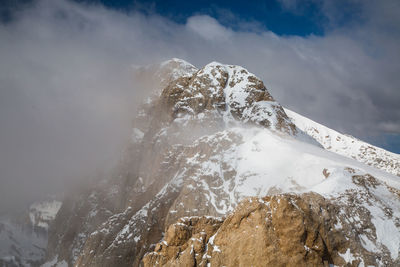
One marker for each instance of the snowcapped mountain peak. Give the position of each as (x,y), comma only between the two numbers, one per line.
(214,138)
(176,68)
(178,61)
(214,92)
(227,92)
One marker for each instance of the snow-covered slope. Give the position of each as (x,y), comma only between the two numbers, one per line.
(347,145)
(220,170)
(20,245)
(43,213)
(173,69)
(23,240)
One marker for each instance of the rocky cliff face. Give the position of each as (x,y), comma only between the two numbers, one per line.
(210,139)
(285,230)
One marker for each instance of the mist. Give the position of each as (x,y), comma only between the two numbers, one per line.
(68,93)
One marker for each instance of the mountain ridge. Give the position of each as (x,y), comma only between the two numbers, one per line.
(348,145)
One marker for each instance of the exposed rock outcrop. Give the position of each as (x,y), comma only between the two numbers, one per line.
(279,230)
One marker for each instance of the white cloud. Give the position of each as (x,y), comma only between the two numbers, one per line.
(67,94)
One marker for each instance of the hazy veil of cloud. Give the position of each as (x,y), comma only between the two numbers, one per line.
(67,93)
(208,28)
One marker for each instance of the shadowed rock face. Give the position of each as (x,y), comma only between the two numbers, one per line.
(189,157)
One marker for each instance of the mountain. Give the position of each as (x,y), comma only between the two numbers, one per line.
(348,145)
(217,172)
(23,238)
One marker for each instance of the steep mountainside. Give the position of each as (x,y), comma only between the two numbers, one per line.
(210,139)
(347,145)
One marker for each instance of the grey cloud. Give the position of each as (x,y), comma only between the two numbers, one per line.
(67,93)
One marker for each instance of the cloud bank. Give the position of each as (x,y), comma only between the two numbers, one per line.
(67,93)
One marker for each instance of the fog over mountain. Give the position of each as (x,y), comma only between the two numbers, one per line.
(68,91)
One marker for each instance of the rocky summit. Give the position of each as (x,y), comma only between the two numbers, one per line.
(218,173)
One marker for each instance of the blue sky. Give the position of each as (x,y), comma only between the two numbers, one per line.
(283,17)
(266,14)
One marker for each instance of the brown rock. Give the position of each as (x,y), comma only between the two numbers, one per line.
(280,230)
